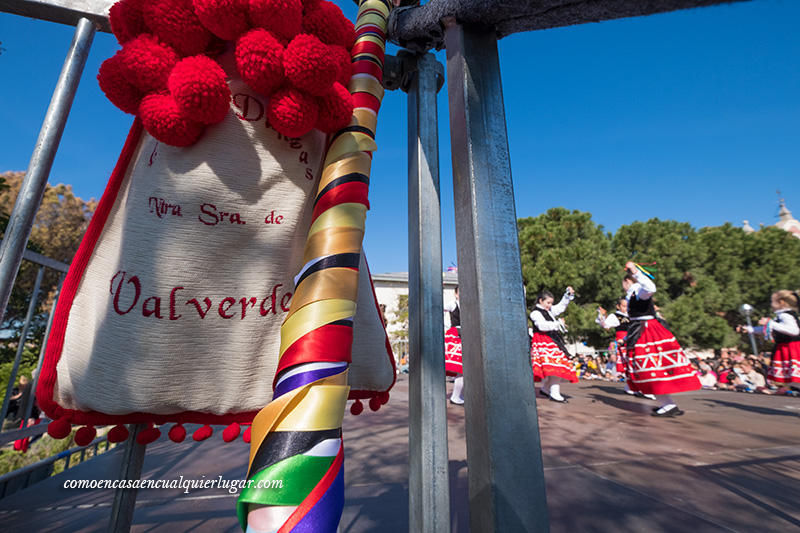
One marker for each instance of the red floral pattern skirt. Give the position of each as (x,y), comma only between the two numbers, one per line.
(657,364)
(548,359)
(452,351)
(785,367)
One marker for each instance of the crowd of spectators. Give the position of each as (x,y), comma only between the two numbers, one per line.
(729,370)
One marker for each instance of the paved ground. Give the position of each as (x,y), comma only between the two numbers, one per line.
(731,463)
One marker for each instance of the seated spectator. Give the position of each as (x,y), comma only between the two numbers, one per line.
(708,379)
(748,380)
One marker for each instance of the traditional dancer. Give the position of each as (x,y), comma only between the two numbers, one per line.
(620,321)
(784,329)
(549,355)
(452,350)
(656,363)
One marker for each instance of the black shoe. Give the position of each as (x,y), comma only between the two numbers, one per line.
(672,412)
(543,393)
(563,400)
(456,403)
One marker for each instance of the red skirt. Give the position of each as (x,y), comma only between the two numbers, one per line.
(619,344)
(452,351)
(785,367)
(657,364)
(548,359)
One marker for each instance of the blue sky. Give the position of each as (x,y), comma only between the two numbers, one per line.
(691,116)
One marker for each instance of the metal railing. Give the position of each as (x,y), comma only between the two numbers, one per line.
(26,476)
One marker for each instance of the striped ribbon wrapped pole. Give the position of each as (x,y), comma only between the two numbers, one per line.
(296,474)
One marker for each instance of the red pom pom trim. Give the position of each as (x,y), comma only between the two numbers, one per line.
(203,433)
(85,435)
(231,432)
(357,408)
(59,429)
(246,436)
(384,397)
(148,436)
(374,403)
(177,433)
(117,434)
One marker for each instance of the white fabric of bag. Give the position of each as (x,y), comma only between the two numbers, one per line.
(181,303)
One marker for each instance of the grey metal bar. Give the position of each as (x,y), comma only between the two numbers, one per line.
(23,337)
(42,351)
(42,260)
(68,12)
(506,476)
(32,190)
(131,468)
(16,434)
(429,494)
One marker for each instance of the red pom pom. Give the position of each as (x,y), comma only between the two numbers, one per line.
(335,109)
(117,434)
(227,19)
(148,435)
(374,403)
(343,62)
(117,89)
(146,63)
(198,86)
(177,433)
(357,408)
(384,397)
(259,59)
(291,112)
(163,120)
(175,23)
(59,429)
(281,17)
(309,64)
(310,5)
(127,20)
(203,433)
(231,432)
(328,23)
(246,436)
(85,435)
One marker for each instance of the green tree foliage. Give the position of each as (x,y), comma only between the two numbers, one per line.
(562,248)
(58,228)
(703,276)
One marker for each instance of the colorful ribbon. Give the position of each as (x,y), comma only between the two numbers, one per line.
(296,475)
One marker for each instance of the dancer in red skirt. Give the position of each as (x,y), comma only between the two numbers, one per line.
(620,321)
(784,329)
(549,355)
(452,350)
(656,363)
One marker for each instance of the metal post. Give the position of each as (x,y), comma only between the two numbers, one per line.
(506,476)
(41,354)
(33,186)
(429,494)
(752,337)
(125,498)
(23,336)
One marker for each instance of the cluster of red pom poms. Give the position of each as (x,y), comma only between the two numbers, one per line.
(296,52)
(60,429)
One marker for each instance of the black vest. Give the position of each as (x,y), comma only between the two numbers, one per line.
(637,307)
(782,338)
(455,316)
(548,317)
(555,335)
(624,322)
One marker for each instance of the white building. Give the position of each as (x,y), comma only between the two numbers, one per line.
(390,286)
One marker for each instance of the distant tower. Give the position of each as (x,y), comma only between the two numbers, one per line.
(747,227)
(787,222)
